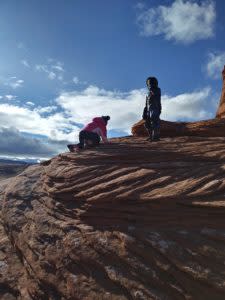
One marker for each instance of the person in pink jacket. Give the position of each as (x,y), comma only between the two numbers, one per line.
(92,133)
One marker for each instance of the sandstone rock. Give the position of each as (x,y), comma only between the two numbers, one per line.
(130,220)
(214,127)
(221,109)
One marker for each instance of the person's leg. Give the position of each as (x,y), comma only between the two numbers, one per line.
(82,135)
(155,126)
(148,126)
(80,145)
(92,139)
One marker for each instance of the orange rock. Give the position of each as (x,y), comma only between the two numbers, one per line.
(221,109)
(129,220)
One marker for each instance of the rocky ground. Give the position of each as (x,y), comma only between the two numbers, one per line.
(130,220)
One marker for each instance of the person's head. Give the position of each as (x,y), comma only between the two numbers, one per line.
(151,82)
(106,119)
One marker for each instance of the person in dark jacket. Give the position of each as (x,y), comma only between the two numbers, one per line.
(153,109)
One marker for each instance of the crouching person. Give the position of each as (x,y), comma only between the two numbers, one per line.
(153,109)
(92,134)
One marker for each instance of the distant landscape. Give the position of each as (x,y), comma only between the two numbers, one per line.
(10,168)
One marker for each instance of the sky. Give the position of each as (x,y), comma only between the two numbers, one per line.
(63,62)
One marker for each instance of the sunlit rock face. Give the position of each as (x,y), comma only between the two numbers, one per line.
(221,109)
(214,127)
(129,220)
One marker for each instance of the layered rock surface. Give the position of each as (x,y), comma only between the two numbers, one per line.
(130,220)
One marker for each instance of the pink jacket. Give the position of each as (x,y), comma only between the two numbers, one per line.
(98,126)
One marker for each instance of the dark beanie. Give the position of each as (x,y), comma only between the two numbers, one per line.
(106,118)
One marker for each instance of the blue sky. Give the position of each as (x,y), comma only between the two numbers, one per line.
(63,62)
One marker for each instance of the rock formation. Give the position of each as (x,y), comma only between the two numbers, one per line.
(221,109)
(213,127)
(130,220)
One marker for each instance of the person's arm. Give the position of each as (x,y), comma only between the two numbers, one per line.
(100,133)
(160,105)
(144,115)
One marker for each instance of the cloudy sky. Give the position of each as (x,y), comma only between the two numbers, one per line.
(64,62)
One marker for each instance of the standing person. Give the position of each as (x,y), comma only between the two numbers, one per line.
(152,109)
(92,133)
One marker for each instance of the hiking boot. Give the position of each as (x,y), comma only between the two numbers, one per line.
(74,148)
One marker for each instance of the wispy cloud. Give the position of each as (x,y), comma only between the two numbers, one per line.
(53,69)
(76,80)
(10,97)
(46,109)
(25,63)
(51,75)
(30,103)
(182,21)
(13,82)
(58,68)
(215,64)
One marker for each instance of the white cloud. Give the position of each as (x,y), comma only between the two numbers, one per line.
(53,71)
(126,109)
(215,64)
(25,63)
(80,107)
(75,80)
(46,109)
(51,75)
(58,68)
(30,103)
(182,21)
(140,5)
(55,126)
(13,82)
(10,97)
(188,106)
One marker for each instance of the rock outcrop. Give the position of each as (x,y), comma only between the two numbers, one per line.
(130,220)
(221,109)
(214,127)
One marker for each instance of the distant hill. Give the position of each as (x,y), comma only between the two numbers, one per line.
(10,168)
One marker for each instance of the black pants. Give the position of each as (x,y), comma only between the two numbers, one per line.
(87,136)
(152,124)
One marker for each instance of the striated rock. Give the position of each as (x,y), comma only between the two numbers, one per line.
(130,220)
(221,109)
(214,127)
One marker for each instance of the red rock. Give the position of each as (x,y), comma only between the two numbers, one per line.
(130,220)
(221,109)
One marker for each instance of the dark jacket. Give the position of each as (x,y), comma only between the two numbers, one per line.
(153,102)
